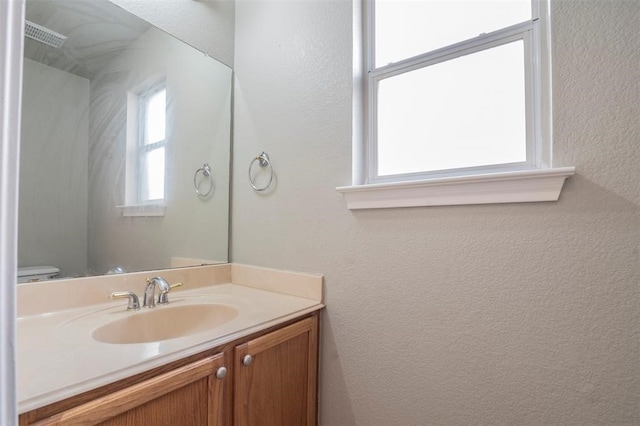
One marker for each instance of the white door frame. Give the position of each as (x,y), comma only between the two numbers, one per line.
(11,49)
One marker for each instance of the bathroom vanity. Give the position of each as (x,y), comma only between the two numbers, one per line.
(256,364)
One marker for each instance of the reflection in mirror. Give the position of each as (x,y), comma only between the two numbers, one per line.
(116,122)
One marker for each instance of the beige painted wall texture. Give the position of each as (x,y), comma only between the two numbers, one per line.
(496,314)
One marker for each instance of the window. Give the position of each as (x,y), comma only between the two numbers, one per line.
(146,147)
(151,145)
(453,89)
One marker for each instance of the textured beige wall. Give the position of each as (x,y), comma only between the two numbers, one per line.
(497,314)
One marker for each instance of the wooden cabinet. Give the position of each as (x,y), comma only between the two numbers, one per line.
(275,377)
(276,385)
(189,395)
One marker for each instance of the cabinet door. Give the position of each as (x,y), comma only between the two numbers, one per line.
(189,395)
(276,375)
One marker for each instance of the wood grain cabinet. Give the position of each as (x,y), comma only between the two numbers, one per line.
(275,377)
(267,378)
(189,395)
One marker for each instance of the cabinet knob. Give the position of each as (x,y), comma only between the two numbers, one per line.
(221,373)
(247,360)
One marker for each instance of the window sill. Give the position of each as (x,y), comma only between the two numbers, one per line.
(509,187)
(143,210)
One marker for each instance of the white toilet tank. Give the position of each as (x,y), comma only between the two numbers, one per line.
(37,273)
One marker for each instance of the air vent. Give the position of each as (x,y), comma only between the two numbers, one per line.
(43,35)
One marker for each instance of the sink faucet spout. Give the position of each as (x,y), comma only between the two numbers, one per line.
(150,290)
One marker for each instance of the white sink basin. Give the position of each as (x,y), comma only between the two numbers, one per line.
(164,322)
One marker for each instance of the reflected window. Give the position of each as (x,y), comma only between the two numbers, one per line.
(152,122)
(146,143)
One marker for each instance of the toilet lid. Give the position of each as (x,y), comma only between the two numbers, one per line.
(37,270)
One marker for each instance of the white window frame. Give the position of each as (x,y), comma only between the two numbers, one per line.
(135,205)
(143,150)
(532,180)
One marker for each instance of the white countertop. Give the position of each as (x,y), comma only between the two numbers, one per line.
(58,358)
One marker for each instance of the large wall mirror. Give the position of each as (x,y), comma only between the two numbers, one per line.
(119,119)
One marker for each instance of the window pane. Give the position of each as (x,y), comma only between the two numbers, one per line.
(155,114)
(466,112)
(406,28)
(154,175)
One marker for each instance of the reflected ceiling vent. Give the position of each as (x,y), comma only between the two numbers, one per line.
(43,35)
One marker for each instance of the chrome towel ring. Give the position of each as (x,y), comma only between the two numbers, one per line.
(263,161)
(206,172)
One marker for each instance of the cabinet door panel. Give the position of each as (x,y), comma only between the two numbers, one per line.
(278,387)
(180,407)
(187,395)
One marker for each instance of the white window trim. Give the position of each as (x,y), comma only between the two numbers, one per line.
(532,182)
(491,188)
(142,210)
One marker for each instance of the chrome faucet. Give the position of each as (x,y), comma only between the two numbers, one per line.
(150,291)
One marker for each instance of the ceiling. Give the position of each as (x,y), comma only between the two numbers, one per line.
(97,32)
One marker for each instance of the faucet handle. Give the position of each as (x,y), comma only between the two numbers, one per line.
(134,302)
(163,298)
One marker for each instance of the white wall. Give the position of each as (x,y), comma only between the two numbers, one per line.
(53,169)
(497,314)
